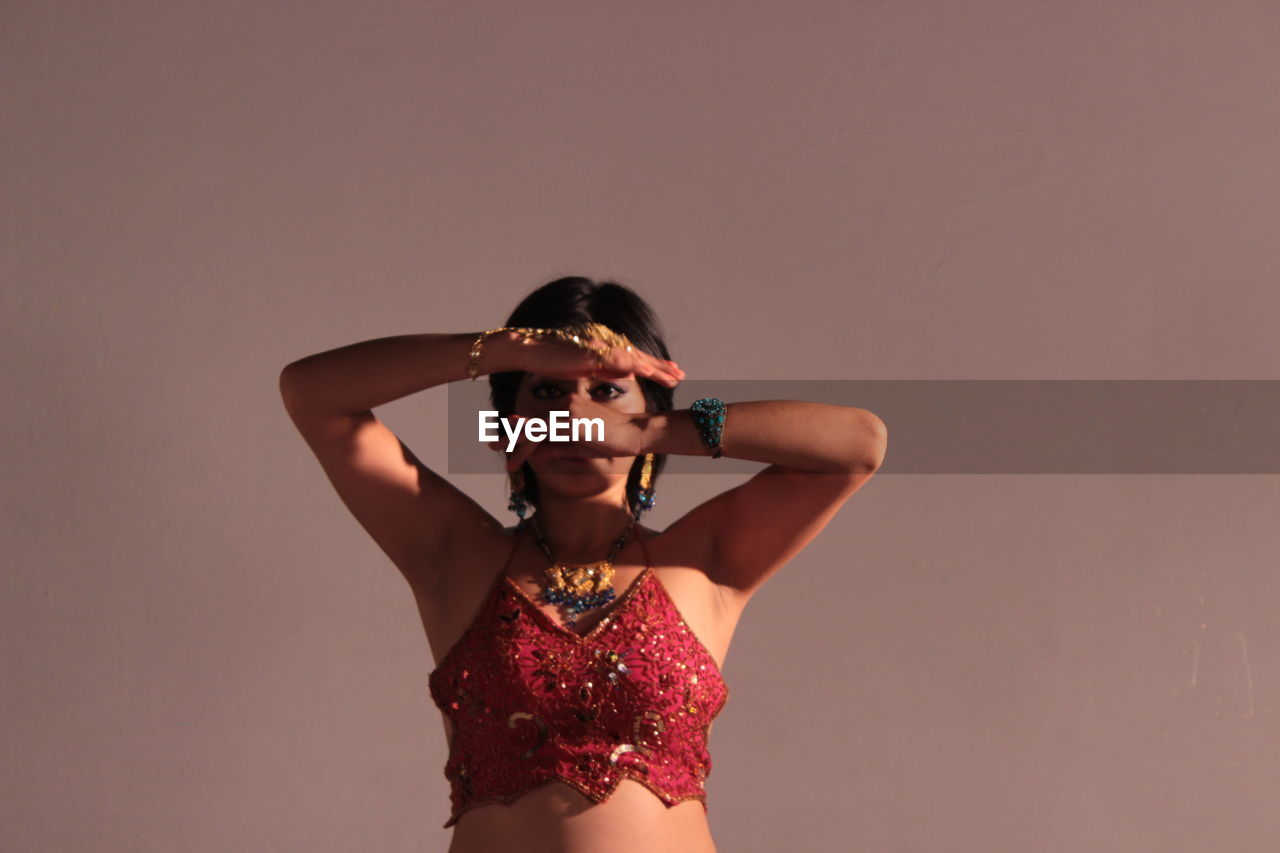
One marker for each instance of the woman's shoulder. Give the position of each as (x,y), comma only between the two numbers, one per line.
(677,546)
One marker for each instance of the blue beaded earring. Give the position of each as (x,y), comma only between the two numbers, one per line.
(645,498)
(518,503)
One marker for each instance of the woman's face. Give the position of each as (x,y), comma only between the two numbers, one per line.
(559,468)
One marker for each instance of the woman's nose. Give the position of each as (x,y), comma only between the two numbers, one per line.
(576,403)
(579,405)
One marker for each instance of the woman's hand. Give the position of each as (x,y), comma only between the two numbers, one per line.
(559,359)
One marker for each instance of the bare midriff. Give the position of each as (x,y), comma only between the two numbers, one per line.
(556,818)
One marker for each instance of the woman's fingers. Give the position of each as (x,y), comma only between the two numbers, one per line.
(660,374)
(656,368)
(669,369)
(635,360)
(668,373)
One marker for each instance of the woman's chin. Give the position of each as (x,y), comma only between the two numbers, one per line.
(571,477)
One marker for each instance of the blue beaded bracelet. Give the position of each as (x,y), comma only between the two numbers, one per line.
(708,414)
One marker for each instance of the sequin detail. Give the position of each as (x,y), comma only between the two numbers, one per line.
(531,701)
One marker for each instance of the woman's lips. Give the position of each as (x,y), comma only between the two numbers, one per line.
(561,450)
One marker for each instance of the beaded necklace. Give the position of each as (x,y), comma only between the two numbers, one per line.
(579,586)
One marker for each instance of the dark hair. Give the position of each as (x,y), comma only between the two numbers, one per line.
(574,299)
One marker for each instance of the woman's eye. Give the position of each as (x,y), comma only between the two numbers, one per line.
(537,389)
(614,390)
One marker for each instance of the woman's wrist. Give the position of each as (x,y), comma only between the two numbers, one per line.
(500,352)
(673,432)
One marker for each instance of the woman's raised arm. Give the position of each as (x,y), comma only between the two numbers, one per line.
(413,513)
(361,376)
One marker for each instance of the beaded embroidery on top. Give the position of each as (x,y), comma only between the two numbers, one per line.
(531,701)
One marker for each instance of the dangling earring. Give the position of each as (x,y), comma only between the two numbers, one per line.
(518,503)
(645,499)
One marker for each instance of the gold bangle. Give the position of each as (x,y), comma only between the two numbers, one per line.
(473,362)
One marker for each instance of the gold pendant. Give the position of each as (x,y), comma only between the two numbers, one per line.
(580,581)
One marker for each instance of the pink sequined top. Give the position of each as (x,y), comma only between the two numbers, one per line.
(533,701)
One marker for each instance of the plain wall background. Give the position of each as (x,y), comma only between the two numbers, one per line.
(202,651)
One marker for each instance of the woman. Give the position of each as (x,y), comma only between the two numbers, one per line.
(578,652)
